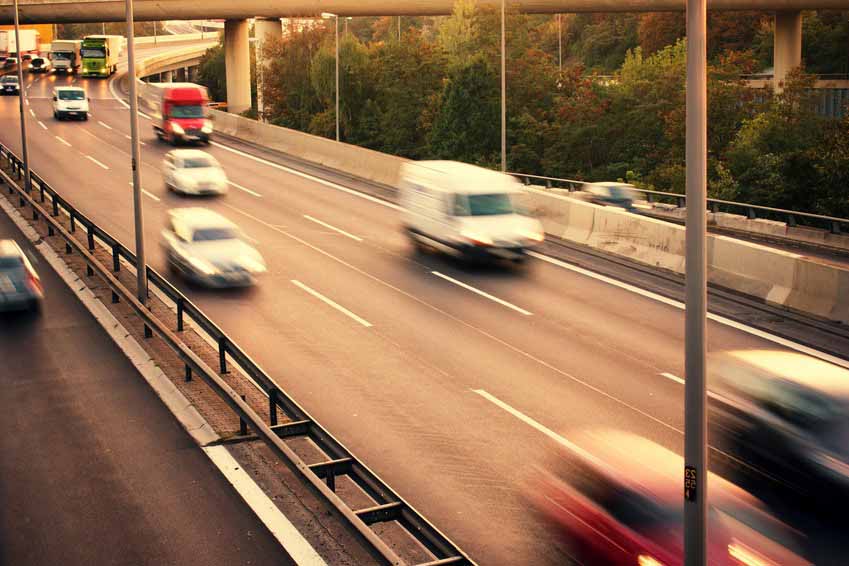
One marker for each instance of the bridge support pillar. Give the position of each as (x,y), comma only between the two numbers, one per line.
(788,46)
(264,30)
(237,62)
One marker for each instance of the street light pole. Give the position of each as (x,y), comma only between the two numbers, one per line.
(21,98)
(503,93)
(560,43)
(141,263)
(695,394)
(337,77)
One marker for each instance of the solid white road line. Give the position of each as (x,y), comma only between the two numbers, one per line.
(334,228)
(31,111)
(107,126)
(241,188)
(532,423)
(711,316)
(483,294)
(129,137)
(333,304)
(283,530)
(307,176)
(673,377)
(63,141)
(97,162)
(40,123)
(148,193)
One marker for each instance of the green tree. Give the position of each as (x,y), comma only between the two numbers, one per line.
(211,73)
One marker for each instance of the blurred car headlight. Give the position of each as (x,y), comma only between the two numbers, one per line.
(203,266)
(207,127)
(476,238)
(253,264)
(535,235)
(746,556)
(177,129)
(646,560)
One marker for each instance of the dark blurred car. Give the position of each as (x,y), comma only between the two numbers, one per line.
(618,500)
(39,65)
(622,195)
(20,286)
(9,85)
(10,63)
(787,414)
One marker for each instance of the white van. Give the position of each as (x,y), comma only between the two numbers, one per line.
(465,211)
(70,102)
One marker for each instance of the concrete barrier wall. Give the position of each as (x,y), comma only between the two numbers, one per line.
(350,159)
(777,277)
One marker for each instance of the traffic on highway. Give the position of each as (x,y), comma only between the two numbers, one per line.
(531,409)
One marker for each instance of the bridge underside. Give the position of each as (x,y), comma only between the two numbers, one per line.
(62,11)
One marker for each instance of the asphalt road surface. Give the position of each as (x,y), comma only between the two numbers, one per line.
(448,389)
(94,469)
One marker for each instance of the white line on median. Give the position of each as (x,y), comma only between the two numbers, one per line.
(332,303)
(334,228)
(107,126)
(40,123)
(679,305)
(97,162)
(483,294)
(283,530)
(63,141)
(241,188)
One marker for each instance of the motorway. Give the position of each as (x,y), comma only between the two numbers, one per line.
(95,469)
(447,380)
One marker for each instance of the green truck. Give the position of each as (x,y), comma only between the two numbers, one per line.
(100,54)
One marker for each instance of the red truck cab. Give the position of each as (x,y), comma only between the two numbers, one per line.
(184,114)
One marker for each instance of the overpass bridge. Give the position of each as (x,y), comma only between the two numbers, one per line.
(788,20)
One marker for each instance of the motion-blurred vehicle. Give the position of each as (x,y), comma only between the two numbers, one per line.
(465,211)
(179,110)
(39,65)
(20,286)
(208,249)
(30,40)
(786,413)
(9,84)
(10,63)
(65,55)
(70,102)
(618,499)
(193,172)
(100,54)
(622,195)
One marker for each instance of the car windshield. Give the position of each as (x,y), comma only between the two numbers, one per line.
(483,205)
(37,62)
(9,79)
(197,163)
(10,262)
(188,111)
(93,52)
(60,55)
(71,95)
(213,234)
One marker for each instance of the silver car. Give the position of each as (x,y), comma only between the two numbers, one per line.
(9,85)
(20,286)
(193,172)
(208,249)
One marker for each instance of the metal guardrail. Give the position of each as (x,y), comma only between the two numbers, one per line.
(752,211)
(321,477)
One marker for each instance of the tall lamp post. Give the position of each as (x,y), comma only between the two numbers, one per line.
(503,93)
(21,98)
(695,395)
(141,263)
(336,19)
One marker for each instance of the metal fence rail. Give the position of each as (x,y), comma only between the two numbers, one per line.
(752,211)
(321,477)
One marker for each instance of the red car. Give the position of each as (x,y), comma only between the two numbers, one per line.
(618,500)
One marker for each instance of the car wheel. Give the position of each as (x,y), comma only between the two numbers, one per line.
(85,118)
(35,306)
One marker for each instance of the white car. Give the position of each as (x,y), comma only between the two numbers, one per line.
(208,249)
(193,172)
(70,102)
(39,65)
(466,211)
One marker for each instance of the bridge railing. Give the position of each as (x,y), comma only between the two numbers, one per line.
(287,419)
(833,224)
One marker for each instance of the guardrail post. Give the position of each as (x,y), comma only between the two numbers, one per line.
(115,297)
(243,426)
(681,201)
(180,315)
(34,213)
(148,333)
(21,199)
(73,221)
(41,190)
(90,238)
(272,406)
(750,213)
(116,259)
(791,221)
(835,227)
(188,373)
(68,248)
(88,270)
(55,206)
(222,354)
(330,479)
(714,207)
(49,229)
